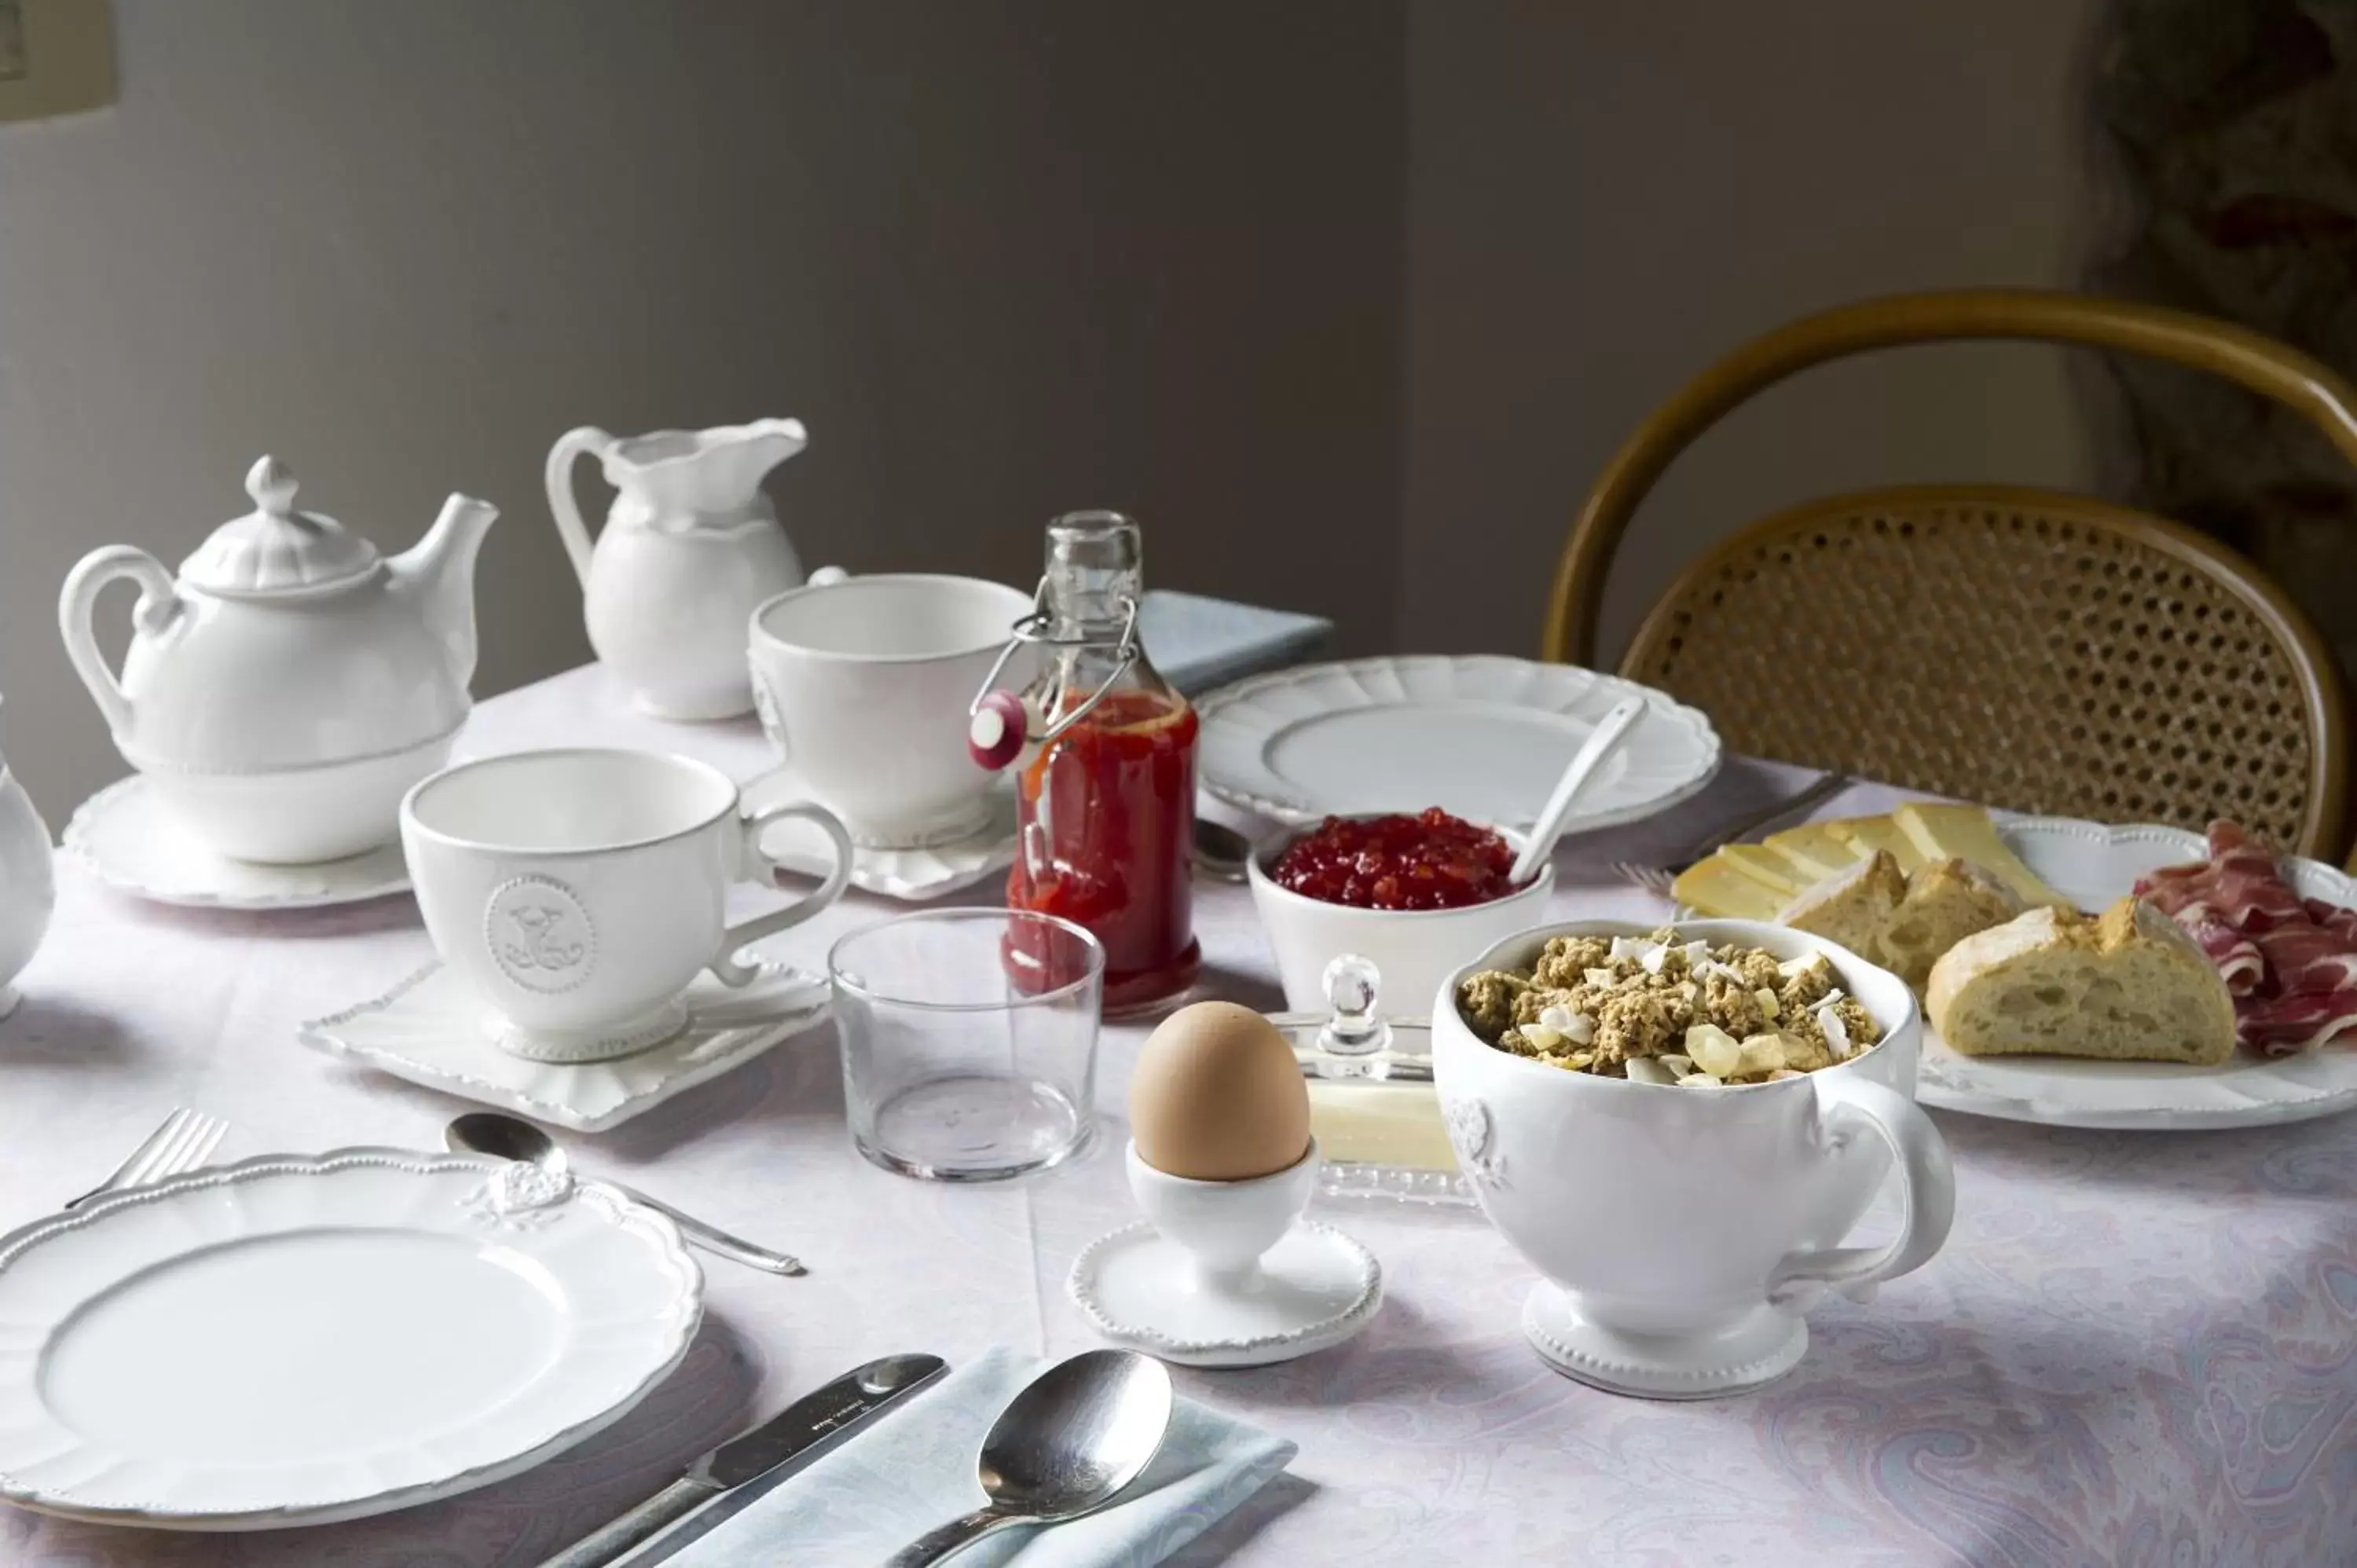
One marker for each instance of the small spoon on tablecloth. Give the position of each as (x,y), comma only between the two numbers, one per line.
(512,1138)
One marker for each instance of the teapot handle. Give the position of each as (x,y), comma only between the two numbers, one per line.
(1852,1106)
(77,604)
(562,503)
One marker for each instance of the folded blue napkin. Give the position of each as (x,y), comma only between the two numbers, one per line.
(915,1469)
(1199,643)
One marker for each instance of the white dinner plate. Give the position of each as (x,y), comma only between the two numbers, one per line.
(1481,737)
(299,1339)
(2093,865)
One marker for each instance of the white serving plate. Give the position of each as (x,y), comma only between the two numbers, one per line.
(2093,865)
(122,835)
(1481,737)
(430,1030)
(300,1340)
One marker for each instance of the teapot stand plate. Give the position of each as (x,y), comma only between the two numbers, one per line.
(126,840)
(430,1030)
(1747,1355)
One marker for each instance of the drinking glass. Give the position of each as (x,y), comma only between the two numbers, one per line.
(969,1041)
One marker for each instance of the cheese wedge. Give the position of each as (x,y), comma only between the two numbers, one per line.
(1766,868)
(1714,887)
(1965,833)
(1817,850)
(1871,834)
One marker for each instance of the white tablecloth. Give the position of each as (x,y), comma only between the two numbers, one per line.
(2137,1349)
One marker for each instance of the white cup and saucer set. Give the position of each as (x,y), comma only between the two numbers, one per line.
(576,901)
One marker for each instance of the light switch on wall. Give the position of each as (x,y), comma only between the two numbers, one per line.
(57,57)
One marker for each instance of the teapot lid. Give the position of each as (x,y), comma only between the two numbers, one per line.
(275,549)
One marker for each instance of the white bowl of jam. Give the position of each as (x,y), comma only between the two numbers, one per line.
(1417,894)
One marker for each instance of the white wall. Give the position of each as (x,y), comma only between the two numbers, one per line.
(1603,198)
(1006,258)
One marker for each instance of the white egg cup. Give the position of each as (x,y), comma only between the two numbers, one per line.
(1226,1273)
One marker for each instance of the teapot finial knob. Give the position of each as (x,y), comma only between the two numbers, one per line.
(271,485)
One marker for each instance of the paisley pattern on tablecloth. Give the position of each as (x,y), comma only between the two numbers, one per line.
(2139,1349)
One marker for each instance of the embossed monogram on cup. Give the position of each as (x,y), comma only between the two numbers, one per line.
(539,934)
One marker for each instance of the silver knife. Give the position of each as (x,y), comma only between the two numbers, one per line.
(801,1431)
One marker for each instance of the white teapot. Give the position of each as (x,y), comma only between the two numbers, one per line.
(285,693)
(691,546)
(27,884)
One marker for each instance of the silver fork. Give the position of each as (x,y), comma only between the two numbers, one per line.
(1658,879)
(183,1143)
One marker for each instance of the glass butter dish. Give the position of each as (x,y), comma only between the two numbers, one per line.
(1372,1108)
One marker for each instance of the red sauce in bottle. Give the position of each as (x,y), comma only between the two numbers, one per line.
(1107,820)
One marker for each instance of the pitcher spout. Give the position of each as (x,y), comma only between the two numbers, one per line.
(439,572)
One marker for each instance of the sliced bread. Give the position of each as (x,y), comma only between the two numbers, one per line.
(1947,900)
(2129,985)
(1851,906)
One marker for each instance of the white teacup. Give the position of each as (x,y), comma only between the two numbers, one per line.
(577,892)
(864,683)
(1683,1231)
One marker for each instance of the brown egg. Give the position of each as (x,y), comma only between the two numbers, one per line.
(1218,1096)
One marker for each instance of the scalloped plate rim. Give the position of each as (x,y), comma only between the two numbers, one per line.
(76,841)
(685,1313)
(1293,810)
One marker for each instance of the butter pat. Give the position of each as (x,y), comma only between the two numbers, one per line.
(1380,1125)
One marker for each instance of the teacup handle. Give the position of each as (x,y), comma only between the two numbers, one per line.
(563,504)
(1848,1106)
(746,933)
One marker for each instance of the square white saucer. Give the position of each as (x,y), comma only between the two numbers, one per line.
(430,1030)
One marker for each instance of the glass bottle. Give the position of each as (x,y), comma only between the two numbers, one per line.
(1106,810)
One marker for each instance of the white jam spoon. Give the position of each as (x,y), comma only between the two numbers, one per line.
(1603,742)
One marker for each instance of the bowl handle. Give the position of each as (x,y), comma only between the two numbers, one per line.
(1848,1106)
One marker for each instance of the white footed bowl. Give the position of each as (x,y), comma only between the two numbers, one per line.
(1683,1231)
(1412,949)
(298,816)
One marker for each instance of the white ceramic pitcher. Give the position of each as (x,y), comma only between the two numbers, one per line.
(27,884)
(690,546)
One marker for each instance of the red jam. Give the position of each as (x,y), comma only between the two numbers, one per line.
(1108,818)
(1430,861)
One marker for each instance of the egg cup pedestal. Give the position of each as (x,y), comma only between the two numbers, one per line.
(1226,1273)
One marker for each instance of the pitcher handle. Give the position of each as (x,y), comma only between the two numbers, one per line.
(1849,1105)
(78,605)
(588,440)
(725,965)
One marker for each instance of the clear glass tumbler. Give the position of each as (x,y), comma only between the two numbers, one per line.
(969,1041)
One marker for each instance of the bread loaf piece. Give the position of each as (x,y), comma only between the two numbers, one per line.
(2127,986)
(1946,902)
(1852,906)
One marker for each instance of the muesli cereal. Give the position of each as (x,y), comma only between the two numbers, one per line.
(1660,1010)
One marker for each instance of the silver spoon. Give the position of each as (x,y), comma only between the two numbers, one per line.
(1066,1445)
(1603,742)
(1220,851)
(510,1138)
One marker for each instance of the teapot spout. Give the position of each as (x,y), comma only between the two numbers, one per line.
(439,571)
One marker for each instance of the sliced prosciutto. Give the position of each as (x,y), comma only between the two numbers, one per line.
(2290,964)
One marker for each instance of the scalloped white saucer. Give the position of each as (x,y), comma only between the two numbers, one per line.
(1482,735)
(130,843)
(2094,865)
(1757,1350)
(1318,1288)
(431,1030)
(299,1340)
(909,873)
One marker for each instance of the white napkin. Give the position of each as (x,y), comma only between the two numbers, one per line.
(915,1469)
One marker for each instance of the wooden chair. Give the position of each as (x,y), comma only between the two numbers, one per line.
(2024,647)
